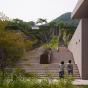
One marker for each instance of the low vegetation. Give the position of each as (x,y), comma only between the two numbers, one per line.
(17,81)
(53,43)
(16,38)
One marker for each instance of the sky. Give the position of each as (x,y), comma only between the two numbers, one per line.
(31,10)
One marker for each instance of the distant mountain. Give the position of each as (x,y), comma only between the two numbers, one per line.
(66,19)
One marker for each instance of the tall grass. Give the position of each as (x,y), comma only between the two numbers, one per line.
(20,82)
(18,79)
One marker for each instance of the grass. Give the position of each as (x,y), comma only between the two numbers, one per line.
(18,81)
(85,86)
(35,83)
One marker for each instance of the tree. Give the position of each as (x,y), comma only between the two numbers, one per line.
(41,21)
(3,24)
(31,23)
(65,32)
(52,26)
(20,25)
(11,49)
(44,29)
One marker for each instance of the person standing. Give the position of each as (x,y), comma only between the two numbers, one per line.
(70,68)
(61,69)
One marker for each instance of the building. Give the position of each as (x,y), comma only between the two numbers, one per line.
(35,27)
(79,42)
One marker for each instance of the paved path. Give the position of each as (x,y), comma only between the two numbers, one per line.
(80,82)
(77,82)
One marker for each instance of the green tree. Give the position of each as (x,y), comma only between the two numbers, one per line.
(20,25)
(65,33)
(3,24)
(41,21)
(11,49)
(44,30)
(52,26)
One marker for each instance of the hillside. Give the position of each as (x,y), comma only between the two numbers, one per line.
(66,19)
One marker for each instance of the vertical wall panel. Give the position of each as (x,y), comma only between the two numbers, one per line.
(85,49)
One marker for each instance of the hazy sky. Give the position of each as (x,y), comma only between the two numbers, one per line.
(33,9)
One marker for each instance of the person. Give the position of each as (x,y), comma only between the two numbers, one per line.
(61,69)
(70,68)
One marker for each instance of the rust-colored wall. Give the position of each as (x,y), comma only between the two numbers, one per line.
(75,47)
(85,48)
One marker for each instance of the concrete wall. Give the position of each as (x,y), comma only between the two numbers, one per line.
(75,47)
(85,48)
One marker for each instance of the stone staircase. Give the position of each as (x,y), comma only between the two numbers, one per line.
(31,63)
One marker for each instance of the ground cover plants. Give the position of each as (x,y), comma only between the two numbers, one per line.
(18,79)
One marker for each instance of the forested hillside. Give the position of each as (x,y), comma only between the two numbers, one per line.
(66,19)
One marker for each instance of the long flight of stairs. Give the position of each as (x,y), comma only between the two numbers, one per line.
(31,63)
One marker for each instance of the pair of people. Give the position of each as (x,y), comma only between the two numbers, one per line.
(62,67)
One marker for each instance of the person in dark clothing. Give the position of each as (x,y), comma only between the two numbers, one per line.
(61,69)
(70,68)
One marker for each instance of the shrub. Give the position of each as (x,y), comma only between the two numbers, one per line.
(35,83)
(53,43)
(28,44)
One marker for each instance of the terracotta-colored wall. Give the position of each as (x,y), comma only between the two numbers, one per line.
(75,47)
(85,48)
(74,13)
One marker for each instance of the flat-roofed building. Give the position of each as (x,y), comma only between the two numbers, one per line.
(35,27)
(79,42)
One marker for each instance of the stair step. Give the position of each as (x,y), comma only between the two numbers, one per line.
(32,63)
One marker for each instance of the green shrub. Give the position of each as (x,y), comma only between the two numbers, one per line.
(36,83)
(30,75)
(28,44)
(85,86)
(53,43)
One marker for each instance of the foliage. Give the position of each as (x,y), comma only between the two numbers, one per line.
(3,24)
(66,27)
(36,83)
(42,35)
(20,25)
(53,43)
(84,86)
(11,49)
(30,75)
(40,20)
(65,32)
(28,44)
(66,19)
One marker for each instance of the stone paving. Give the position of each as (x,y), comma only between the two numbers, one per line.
(80,82)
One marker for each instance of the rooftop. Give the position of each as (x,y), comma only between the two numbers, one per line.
(81,10)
